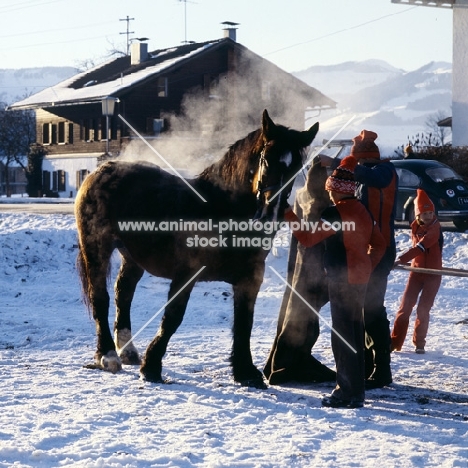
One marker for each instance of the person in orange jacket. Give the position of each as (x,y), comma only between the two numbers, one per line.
(353,247)
(426,252)
(377,189)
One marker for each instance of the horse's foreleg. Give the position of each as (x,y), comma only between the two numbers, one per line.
(245,294)
(129,275)
(151,367)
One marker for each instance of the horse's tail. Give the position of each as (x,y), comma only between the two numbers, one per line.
(86,277)
(95,243)
(82,260)
(83,275)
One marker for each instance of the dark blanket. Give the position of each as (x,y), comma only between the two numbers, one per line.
(298,328)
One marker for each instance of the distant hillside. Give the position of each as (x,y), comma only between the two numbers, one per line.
(15,84)
(393,102)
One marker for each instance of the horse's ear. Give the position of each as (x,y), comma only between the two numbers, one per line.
(268,126)
(307,136)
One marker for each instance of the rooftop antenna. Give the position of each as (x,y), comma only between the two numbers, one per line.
(185,20)
(128,32)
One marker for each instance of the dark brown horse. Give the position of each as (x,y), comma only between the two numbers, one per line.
(237,188)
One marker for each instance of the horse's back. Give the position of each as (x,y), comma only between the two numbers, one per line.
(112,177)
(122,205)
(123,189)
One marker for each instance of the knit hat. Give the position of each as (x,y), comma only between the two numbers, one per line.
(342,178)
(364,146)
(408,149)
(422,203)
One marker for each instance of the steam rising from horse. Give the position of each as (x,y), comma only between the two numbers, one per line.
(238,187)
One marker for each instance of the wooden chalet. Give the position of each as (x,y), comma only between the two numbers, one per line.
(148,88)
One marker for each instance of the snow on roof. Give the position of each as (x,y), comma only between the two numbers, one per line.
(93,91)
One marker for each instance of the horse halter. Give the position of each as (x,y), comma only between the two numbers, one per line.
(262,166)
(267,206)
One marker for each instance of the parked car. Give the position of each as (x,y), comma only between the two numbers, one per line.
(447,190)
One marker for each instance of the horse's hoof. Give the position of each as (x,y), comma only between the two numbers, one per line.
(129,354)
(279,377)
(111,362)
(130,358)
(255,383)
(249,377)
(151,377)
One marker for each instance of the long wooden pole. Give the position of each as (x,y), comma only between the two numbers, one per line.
(431,271)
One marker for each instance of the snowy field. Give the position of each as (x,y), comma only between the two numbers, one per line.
(56,413)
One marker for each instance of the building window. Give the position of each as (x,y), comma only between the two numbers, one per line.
(80,177)
(45,182)
(49,134)
(154,126)
(90,130)
(46,134)
(70,133)
(215,85)
(54,181)
(53,133)
(61,181)
(162,87)
(61,133)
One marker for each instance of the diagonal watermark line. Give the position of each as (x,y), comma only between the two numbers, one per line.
(162,308)
(309,159)
(312,309)
(155,151)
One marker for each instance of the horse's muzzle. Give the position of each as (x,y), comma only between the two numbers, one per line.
(271,210)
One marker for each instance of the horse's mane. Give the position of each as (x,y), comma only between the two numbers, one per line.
(233,169)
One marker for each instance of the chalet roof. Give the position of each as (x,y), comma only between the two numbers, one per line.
(115,76)
(110,78)
(447,122)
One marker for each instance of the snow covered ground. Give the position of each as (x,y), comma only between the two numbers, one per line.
(54,412)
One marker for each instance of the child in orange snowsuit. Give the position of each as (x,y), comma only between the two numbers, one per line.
(426,252)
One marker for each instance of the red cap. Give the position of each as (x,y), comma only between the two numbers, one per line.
(364,146)
(422,203)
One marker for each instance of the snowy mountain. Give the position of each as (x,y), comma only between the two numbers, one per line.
(17,83)
(393,102)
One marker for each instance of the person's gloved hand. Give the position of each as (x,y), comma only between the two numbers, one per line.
(398,262)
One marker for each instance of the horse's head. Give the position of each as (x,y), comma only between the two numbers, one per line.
(281,159)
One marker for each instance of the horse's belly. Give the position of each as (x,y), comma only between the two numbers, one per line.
(168,256)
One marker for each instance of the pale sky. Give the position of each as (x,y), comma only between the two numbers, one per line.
(293,34)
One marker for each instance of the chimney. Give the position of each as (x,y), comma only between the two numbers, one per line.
(138,52)
(230,30)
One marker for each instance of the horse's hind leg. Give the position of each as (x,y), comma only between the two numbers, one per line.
(129,275)
(94,259)
(151,367)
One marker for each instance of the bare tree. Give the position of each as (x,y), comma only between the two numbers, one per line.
(439,134)
(17,133)
(112,51)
